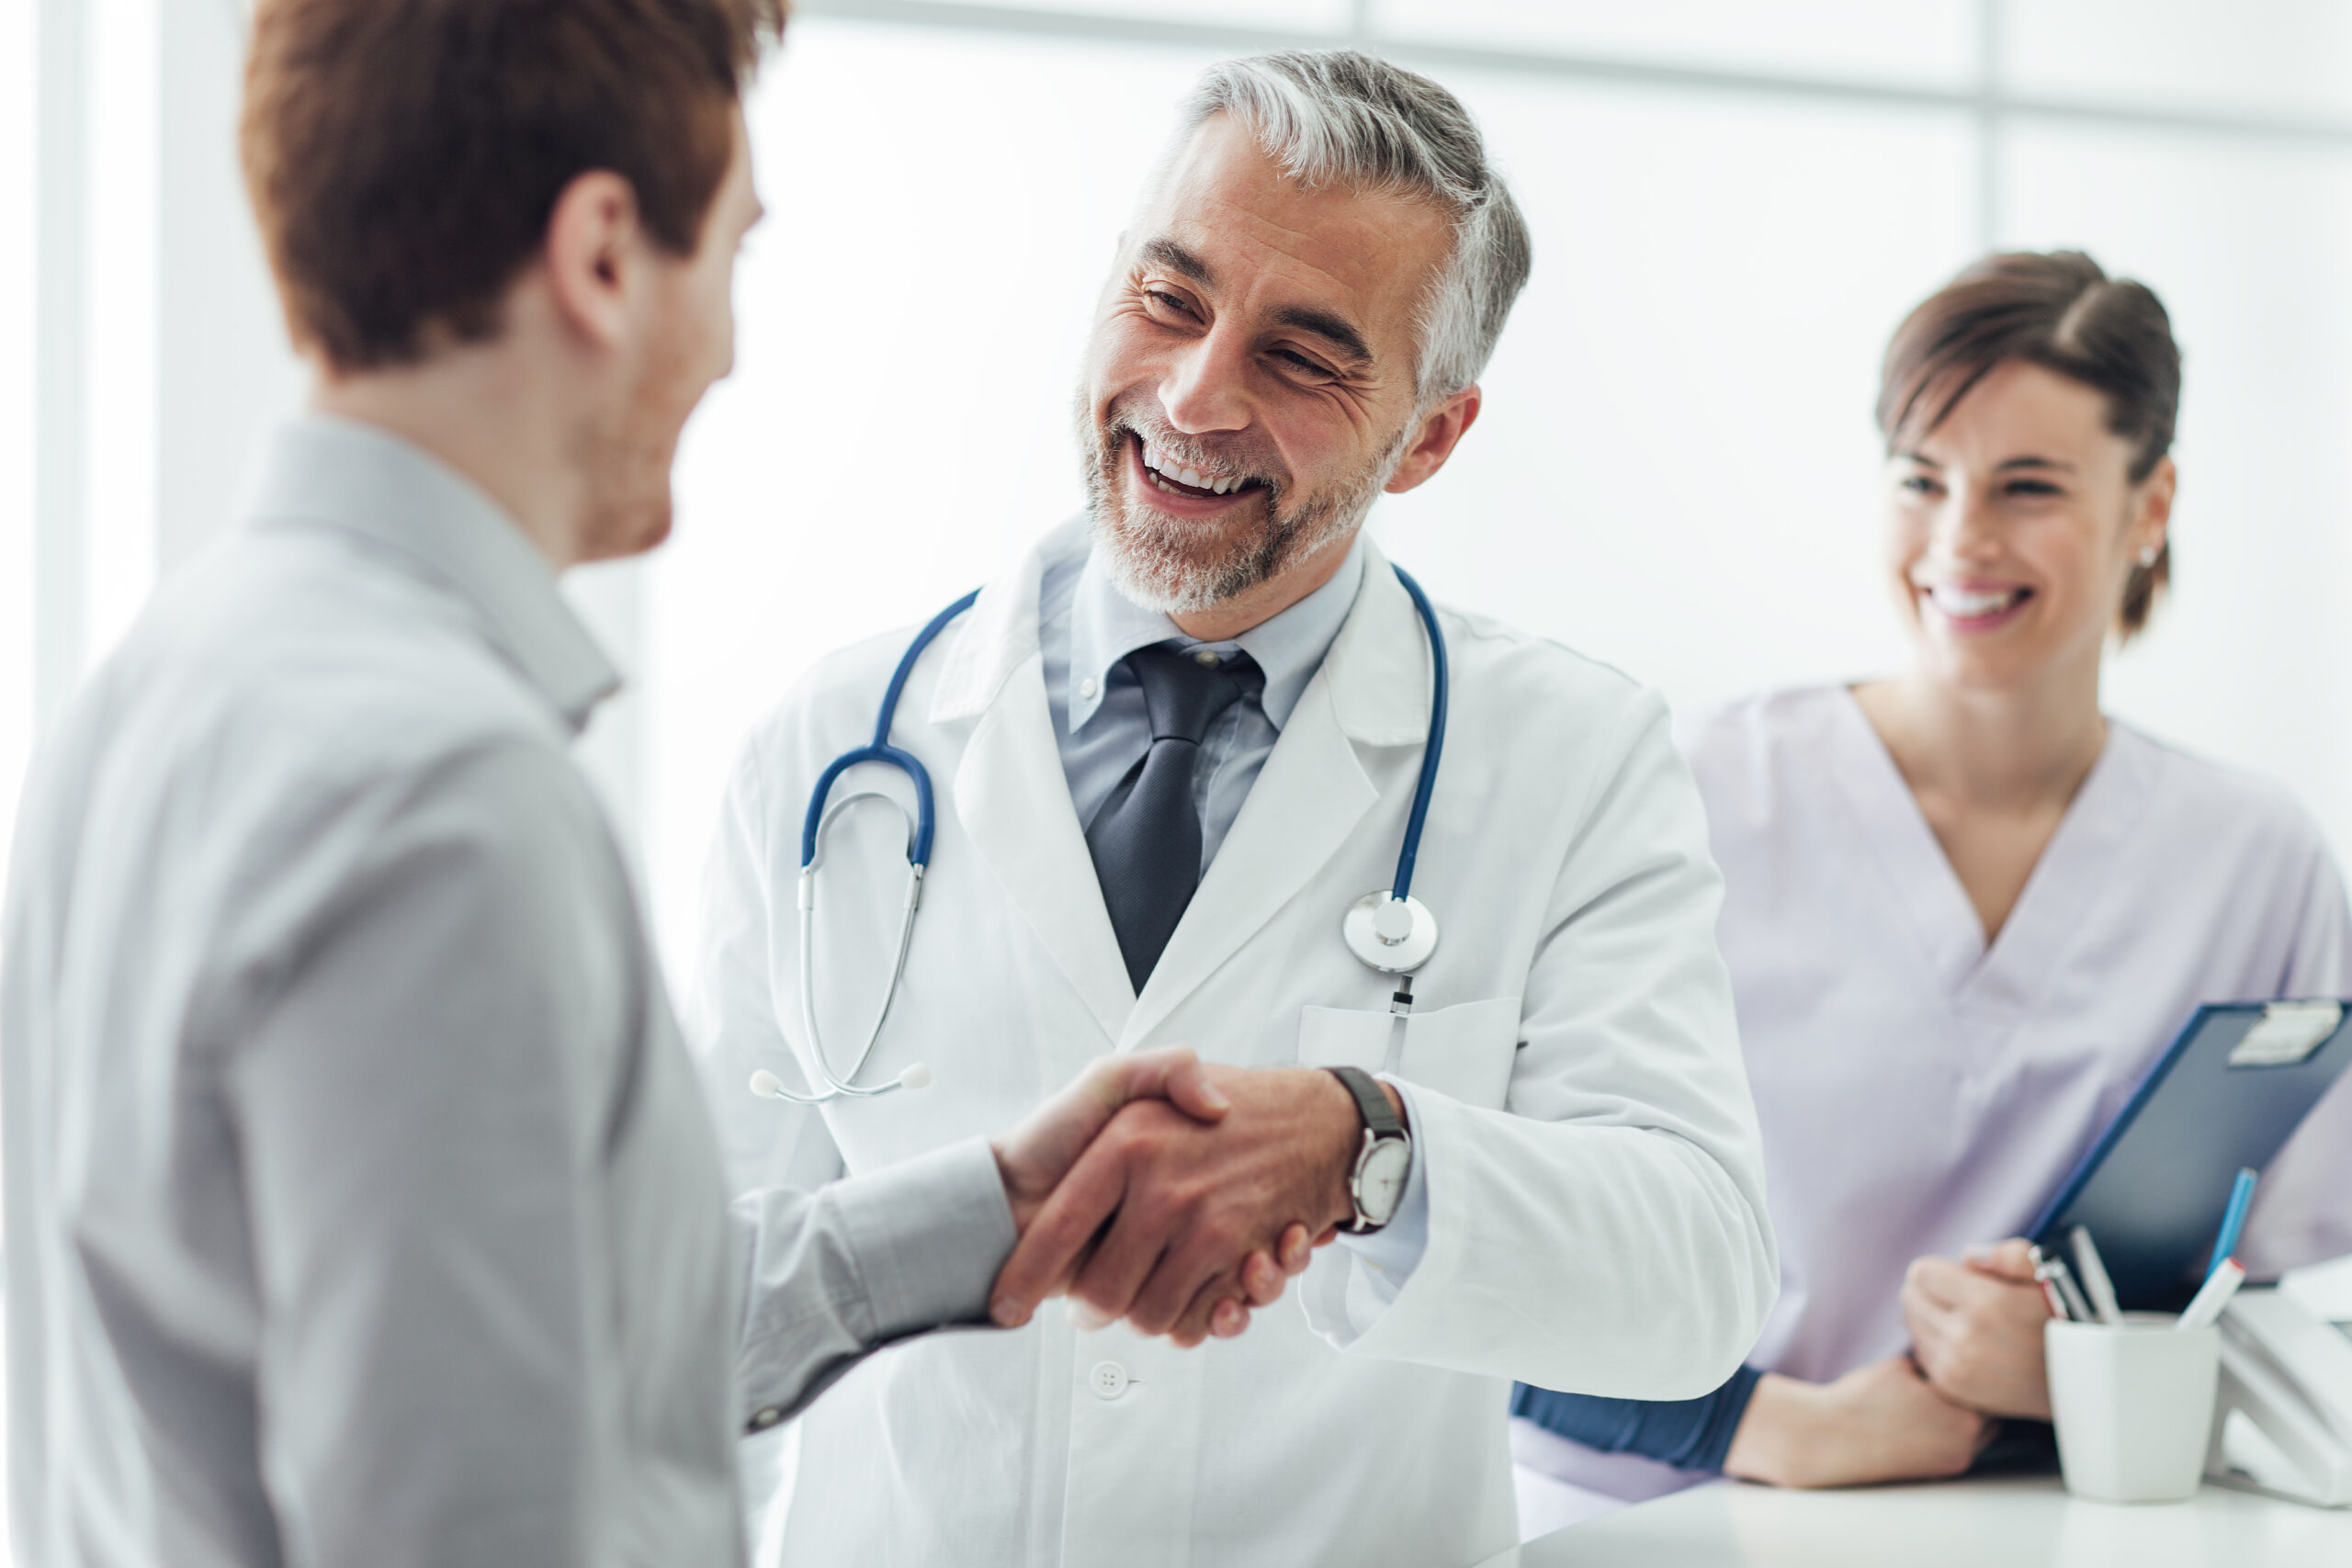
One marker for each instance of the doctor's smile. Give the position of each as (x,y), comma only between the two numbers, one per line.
(1193,1050)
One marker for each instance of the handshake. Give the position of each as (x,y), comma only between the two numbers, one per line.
(1174,1194)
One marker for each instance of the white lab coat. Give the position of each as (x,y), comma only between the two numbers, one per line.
(1919,1092)
(1595,1217)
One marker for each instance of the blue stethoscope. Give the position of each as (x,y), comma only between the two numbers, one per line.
(1390,929)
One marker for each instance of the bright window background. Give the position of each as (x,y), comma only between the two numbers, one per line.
(1676,471)
(16,410)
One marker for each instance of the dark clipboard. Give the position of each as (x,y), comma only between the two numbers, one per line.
(2153,1188)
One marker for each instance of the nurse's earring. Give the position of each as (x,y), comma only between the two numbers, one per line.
(2148,555)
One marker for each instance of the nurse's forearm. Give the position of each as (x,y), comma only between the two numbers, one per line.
(1782,1436)
(1877,1423)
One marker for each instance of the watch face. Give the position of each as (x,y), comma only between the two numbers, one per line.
(1380,1179)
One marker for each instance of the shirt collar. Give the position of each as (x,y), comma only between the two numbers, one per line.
(1106,626)
(322,469)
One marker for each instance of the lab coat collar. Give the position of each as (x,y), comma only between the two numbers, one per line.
(1373,689)
(1287,647)
(1377,666)
(319,469)
(1011,794)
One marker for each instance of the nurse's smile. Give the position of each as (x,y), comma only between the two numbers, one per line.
(1974,605)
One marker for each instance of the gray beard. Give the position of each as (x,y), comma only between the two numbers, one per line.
(1157,561)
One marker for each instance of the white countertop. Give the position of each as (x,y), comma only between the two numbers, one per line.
(2010,1523)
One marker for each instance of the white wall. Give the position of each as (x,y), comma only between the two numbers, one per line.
(16,410)
(1676,470)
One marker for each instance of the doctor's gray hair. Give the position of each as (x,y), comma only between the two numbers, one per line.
(1338,116)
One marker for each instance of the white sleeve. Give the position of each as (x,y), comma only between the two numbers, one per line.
(2303,1213)
(734,1025)
(1607,1233)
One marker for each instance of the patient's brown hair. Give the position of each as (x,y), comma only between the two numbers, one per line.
(2062,312)
(403,156)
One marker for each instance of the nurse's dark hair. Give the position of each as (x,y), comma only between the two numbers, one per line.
(2062,311)
(403,156)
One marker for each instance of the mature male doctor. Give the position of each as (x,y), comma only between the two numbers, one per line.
(1175,743)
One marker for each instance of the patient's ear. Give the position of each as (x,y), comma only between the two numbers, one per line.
(592,256)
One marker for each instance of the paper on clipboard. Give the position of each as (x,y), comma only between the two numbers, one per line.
(2286,1032)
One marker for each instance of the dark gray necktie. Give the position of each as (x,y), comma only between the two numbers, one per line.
(1147,839)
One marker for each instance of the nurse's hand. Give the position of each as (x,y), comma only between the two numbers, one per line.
(1976,1329)
(1159,1219)
(1881,1422)
(1035,1157)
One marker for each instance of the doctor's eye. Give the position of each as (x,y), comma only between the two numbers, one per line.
(1919,484)
(2035,489)
(1299,364)
(1160,300)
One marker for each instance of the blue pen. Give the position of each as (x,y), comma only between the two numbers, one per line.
(2233,1220)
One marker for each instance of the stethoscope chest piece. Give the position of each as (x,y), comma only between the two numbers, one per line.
(1395,936)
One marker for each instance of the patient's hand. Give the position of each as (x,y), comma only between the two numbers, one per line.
(1976,1329)
(1881,1422)
(1036,1160)
(1159,1217)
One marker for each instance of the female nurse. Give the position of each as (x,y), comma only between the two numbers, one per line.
(1964,910)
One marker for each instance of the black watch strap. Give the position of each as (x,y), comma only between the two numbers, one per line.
(1380,1118)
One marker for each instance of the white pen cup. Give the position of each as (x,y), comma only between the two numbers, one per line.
(2133,1405)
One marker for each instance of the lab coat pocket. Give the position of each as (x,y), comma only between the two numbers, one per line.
(1339,1037)
(1465,1052)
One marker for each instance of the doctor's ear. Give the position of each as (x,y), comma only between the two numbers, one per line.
(1433,441)
(592,254)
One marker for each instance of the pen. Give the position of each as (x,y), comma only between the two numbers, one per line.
(2047,1277)
(2064,1277)
(2233,1220)
(2206,1306)
(2041,1277)
(2095,1278)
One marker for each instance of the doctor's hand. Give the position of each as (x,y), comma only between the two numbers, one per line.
(1162,1216)
(1035,1157)
(1976,1329)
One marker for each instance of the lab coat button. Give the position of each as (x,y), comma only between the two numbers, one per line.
(1109,1379)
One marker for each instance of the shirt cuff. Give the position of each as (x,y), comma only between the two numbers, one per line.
(929,1235)
(1391,1253)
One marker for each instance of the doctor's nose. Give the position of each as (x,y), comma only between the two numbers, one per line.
(1205,387)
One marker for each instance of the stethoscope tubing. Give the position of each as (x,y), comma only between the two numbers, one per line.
(920,838)
(1440,687)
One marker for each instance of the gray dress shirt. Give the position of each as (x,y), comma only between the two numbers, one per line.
(362,1205)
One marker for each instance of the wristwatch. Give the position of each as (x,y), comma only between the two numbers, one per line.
(1377,1184)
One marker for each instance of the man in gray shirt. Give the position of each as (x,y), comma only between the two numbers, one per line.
(362,1206)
